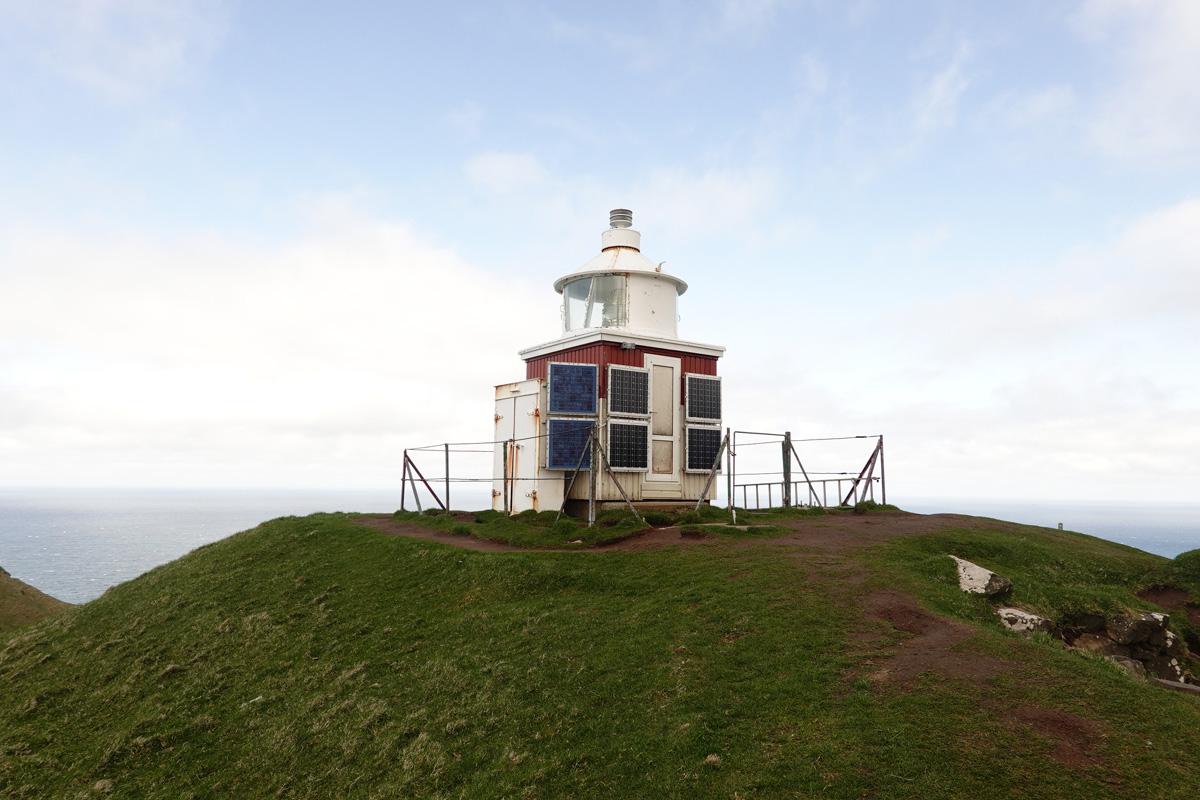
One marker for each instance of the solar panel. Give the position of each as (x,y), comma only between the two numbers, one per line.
(573,388)
(628,391)
(704,398)
(629,446)
(567,439)
(703,444)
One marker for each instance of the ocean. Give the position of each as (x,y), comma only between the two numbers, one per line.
(75,543)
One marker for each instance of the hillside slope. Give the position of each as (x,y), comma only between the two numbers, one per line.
(317,657)
(22,604)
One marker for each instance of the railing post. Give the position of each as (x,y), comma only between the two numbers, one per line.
(592,480)
(729,476)
(882,474)
(787,469)
(403,478)
(447,447)
(504,475)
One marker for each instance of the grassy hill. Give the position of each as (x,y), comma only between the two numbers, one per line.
(21,604)
(827,656)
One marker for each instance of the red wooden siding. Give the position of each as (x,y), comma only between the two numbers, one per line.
(605,353)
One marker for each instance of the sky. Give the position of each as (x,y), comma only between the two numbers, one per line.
(273,244)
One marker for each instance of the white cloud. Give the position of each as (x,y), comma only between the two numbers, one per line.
(1149,273)
(311,363)
(692,202)
(1152,111)
(1047,106)
(506,173)
(744,16)
(119,49)
(934,106)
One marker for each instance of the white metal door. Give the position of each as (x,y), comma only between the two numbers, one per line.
(664,418)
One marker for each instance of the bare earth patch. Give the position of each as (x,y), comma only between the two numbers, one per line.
(938,645)
(1172,599)
(1074,737)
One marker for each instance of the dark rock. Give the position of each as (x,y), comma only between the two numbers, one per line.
(1134,668)
(1164,667)
(1091,623)
(1157,639)
(1176,685)
(1142,651)
(1101,645)
(1175,647)
(1127,630)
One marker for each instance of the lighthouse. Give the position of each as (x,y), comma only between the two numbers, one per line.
(618,371)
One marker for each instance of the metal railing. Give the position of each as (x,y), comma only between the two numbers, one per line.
(861,485)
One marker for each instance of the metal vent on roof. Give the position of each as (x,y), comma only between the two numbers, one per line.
(620,218)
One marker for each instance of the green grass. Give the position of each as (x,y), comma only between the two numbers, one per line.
(536,529)
(533,529)
(22,604)
(394,667)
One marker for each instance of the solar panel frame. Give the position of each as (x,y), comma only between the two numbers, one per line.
(619,447)
(697,401)
(565,398)
(616,384)
(566,438)
(699,456)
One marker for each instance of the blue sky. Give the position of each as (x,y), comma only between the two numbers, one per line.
(272,244)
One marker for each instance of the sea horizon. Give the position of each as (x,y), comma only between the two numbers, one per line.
(74,543)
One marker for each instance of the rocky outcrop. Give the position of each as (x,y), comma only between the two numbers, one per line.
(1139,643)
(975,579)
(1022,621)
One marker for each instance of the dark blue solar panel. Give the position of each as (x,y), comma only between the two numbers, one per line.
(567,440)
(573,389)
(703,444)
(703,398)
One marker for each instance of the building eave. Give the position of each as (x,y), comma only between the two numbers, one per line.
(618,336)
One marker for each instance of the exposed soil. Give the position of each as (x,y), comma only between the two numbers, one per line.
(647,539)
(938,645)
(1172,599)
(1075,738)
(393,528)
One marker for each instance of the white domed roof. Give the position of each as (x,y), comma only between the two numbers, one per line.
(620,251)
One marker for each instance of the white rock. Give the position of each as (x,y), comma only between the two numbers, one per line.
(1022,621)
(977,580)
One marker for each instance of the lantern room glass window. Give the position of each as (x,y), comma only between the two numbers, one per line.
(598,301)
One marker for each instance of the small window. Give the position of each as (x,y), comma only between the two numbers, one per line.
(703,445)
(703,398)
(628,391)
(629,446)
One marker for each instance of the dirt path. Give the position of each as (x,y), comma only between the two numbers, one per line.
(839,534)
(643,540)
